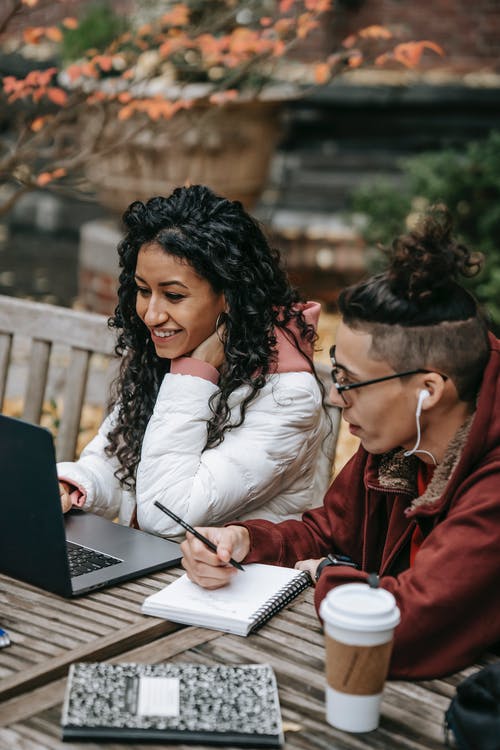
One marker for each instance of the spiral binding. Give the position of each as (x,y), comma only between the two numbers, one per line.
(282,597)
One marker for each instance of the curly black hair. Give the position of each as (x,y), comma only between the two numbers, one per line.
(418,312)
(227,247)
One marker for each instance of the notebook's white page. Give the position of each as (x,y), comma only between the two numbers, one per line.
(248,591)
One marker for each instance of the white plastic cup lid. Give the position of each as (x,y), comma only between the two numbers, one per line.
(357,606)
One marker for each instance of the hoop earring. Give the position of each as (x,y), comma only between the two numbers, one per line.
(221,317)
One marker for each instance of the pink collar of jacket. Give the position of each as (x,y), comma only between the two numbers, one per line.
(289,358)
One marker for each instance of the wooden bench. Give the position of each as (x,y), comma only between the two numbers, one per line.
(67,341)
(53,338)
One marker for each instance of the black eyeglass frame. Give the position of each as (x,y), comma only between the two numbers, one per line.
(351,386)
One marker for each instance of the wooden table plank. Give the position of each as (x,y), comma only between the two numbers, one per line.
(83,628)
(292,642)
(415,727)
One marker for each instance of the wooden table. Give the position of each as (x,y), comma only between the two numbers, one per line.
(49,633)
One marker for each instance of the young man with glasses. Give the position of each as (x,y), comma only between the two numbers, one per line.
(417,376)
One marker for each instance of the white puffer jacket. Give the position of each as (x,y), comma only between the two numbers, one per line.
(274,466)
(264,469)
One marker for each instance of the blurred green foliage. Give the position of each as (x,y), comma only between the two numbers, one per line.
(96,30)
(468,182)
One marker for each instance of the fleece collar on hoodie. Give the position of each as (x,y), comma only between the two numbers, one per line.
(398,473)
(289,358)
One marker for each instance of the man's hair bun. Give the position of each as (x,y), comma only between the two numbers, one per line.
(429,260)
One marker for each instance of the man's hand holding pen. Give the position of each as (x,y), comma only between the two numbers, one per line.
(212,570)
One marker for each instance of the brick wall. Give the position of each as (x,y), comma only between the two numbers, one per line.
(468,31)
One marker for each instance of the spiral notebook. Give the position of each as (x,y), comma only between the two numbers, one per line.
(179,703)
(249,600)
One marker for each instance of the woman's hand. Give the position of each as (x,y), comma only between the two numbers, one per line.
(212,349)
(209,569)
(66,503)
(310,566)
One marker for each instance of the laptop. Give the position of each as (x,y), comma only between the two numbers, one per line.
(68,554)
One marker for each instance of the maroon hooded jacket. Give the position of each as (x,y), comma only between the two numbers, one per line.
(450,598)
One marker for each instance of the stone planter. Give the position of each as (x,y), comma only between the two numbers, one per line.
(228,148)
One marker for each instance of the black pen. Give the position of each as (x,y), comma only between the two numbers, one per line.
(195,533)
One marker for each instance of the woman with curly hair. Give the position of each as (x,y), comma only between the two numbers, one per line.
(217,411)
(417,376)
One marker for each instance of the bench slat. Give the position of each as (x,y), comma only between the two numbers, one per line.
(37,380)
(5,349)
(76,380)
(38,320)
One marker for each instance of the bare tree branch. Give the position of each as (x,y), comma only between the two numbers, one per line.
(13,7)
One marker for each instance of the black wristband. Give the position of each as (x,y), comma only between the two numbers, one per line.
(334,560)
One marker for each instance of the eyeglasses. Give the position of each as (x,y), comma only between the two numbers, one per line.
(342,384)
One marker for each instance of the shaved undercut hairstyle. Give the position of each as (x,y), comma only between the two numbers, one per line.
(417,311)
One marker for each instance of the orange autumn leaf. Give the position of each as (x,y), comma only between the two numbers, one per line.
(74,72)
(158,107)
(154,110)
(283,26)
(30,3)
(178,16)
(33,34)
(125,113)
(265,21)
(410,53)
(53,33)
(321,73)
(382,59)
(13,98)
(165,48)
(105,62)
(44,178)
(279,48)
(145,30)
(355,59)
(375,32)
(305,24)
(350,41)
(38,124)
(70,22)
(57,95)
(89,70)
(243,41)
(124,97)
(318,6)
(10,84)
(96,97)
(40,77)
(286,5)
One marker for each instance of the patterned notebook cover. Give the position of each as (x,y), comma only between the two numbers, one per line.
(173,702)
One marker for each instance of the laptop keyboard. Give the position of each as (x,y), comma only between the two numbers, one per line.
(85,560)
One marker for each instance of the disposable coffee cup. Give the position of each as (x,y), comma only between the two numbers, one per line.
(359,624)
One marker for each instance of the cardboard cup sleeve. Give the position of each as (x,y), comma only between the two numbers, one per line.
(357,670)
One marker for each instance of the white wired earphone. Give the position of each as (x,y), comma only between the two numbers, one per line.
(423,394)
